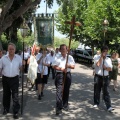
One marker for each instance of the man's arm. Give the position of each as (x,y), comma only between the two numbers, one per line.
(71,66)
(99,61)
(107,68)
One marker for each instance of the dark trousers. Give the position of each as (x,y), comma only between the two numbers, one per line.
(62,97)
(101,83)
(10,86)
(26,66)
(53,72)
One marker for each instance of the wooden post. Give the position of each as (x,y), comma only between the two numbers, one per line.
(72,23)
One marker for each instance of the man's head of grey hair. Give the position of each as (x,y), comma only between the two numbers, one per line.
(12,45)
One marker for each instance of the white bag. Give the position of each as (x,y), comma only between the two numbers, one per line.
(32,70)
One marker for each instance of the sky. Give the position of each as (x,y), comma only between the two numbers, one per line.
(42,9)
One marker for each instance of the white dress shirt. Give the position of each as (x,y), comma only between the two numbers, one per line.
(26,55)
(51,58)
(44,68)
(99,69)
(57,54)
(61,62)
(38,56)
(10,68)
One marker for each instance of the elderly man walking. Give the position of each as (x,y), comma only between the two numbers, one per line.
(10,65)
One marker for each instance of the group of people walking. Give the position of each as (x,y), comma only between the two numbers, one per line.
(61,64)
(56,62)
(11,64)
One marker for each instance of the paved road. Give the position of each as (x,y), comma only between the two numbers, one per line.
(80,103)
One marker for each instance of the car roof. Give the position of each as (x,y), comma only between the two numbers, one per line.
(80,49)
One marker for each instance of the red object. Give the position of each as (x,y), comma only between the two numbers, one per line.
(33,49)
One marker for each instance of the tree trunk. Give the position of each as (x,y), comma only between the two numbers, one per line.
(7,21)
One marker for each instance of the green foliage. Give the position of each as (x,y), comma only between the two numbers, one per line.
(59,41)
(91,14)
(11,31)
(28,40)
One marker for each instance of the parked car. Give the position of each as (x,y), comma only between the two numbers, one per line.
(90,51)
(83,55)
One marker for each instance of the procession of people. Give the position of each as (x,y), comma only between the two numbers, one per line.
(60,63)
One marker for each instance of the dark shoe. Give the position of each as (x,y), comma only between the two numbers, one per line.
(114,89)
(58,112)
(42,94)
(39,97)
(16,116)
(65,108)
(5,112)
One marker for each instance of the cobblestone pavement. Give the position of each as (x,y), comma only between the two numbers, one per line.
(80,102)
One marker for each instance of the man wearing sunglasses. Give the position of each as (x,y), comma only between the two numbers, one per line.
(103,65)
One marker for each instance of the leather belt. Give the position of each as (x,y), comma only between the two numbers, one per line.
(101,76)
(61,72)
(10,77)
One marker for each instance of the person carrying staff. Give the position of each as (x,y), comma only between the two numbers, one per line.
(103,65)
(10,65)
(62,92)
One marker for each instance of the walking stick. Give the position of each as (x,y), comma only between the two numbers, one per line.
(72,23)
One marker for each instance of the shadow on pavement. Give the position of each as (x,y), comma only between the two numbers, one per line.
(80,101)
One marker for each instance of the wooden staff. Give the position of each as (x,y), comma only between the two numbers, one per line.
(72,23)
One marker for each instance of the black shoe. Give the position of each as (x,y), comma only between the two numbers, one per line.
(5,112)
(65,108)
(39,97)
(42,94)
(58,112)
(16,116)
(114,89)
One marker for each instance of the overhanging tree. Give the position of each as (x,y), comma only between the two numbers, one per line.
(92,13)
(13,13)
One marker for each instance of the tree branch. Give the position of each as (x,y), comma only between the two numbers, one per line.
(9,19)
(5,9)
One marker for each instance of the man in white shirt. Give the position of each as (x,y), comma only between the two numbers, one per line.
(57,52)
(62,92)
(26,57)
(51,58)
(10,65)
(103,65)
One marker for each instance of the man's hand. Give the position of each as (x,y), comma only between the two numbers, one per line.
(68,66)
(63,70)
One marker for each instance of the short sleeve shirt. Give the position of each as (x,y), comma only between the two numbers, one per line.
(38,56)
(99,69)
(42,67)
(10,68)
(61,62)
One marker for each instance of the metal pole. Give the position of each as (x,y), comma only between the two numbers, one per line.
(22,80)
(104,38)
(103,68)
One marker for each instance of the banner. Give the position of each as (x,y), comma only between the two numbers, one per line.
(44,30)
